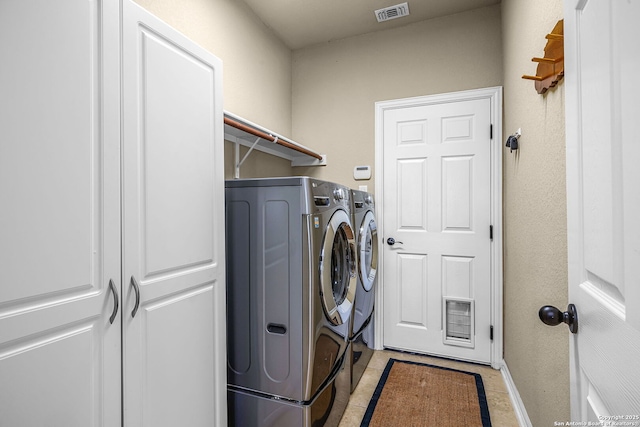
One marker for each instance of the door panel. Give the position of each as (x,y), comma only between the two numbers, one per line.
(458,128)
(598,158)
(603,205)
(457,193)
(36,370)
(457,276)
(437,199)
(59,222)
(166,321)
(48,205)
(176,167)
(412,277)
(173,227)
(412,193)
(60,216)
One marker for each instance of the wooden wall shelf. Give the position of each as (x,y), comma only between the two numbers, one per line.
(550,68)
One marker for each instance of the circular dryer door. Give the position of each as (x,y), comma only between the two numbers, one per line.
(338,269)
(368,251)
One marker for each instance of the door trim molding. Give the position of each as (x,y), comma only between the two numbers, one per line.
(494,94)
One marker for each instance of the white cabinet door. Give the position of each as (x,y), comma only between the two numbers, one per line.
(59,213)
(173,225)
(603,208)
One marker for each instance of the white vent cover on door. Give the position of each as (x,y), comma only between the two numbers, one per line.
(392,12)
(459,322)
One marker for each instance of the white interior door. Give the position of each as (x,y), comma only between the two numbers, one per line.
(603,203)
(173,212)
(437,203)
(60,213)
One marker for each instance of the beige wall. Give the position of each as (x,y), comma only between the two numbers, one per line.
(256,68)
(535,250)
(335,85)
(257,165)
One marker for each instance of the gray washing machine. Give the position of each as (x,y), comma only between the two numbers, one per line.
(291,283)
(361,337)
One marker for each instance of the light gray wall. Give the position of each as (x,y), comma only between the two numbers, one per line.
(336,84)
(535,236)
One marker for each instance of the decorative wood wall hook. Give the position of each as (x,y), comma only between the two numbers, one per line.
(551,67)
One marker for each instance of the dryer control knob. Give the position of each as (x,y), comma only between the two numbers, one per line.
(338,194)
(368,199)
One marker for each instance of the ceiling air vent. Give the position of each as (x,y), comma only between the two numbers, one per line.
(392,12)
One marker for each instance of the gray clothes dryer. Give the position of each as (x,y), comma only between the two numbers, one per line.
(361,337)
(291,281)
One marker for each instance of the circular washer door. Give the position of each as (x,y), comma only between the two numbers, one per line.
(368,251)
(338,269)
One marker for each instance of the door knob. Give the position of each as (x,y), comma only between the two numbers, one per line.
(552,316)
(391,241)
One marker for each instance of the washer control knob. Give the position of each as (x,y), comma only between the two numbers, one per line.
(368,199)
(338,194)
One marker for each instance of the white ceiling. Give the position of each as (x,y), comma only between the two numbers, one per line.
(301,23)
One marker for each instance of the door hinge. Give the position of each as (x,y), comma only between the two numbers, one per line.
(491,232)
(491,332)
(490,131)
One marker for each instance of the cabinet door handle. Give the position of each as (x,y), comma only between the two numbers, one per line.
(136,288)
(116,304)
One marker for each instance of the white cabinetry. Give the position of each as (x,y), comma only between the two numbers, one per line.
(110,171)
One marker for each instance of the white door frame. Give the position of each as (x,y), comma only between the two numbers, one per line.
(494,94)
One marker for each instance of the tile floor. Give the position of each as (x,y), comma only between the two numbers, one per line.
(500,409)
